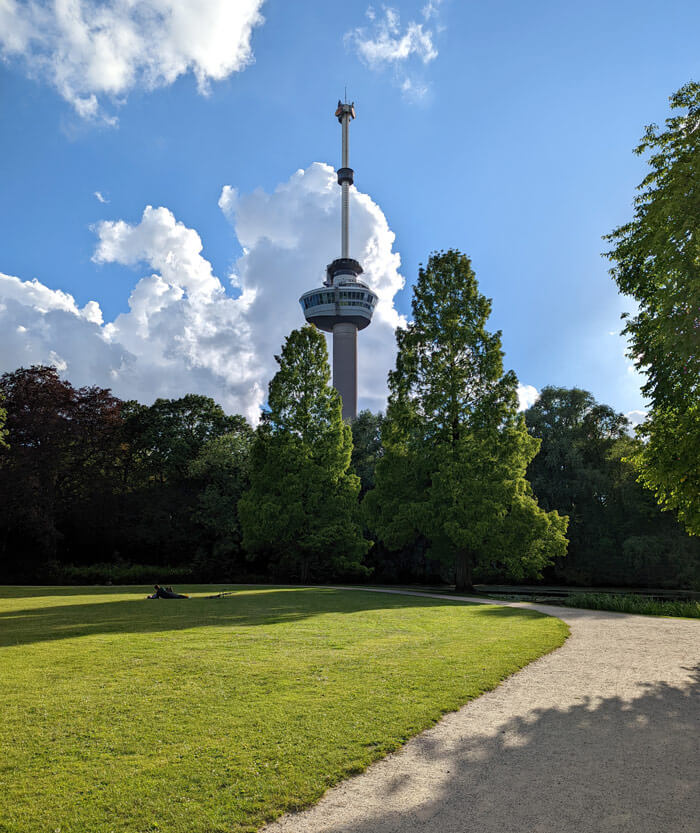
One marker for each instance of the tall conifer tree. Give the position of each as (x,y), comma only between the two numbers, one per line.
(302,506)
(456,449)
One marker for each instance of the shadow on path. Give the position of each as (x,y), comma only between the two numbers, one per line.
(606,765)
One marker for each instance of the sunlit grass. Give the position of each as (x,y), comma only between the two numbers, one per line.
(121,714)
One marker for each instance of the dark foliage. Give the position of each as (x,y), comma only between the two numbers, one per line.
(88,479)
(617,533)
(93,488)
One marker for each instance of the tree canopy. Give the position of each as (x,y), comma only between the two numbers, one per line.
(617,533)
(456,449)
(57,474)
(366,447)
(656,260)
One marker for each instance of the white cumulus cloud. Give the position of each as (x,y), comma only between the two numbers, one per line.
(187,330)
(386,43)
(288,238)
(527,396)
(89,49)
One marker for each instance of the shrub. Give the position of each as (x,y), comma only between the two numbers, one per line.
(635,604)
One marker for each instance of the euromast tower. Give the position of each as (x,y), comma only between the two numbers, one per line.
(345,304)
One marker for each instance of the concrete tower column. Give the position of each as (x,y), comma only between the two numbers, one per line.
(345,366)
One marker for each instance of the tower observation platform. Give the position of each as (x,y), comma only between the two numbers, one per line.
(344,304)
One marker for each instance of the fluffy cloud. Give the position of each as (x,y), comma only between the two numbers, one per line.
(89,49)
(527,396)
(288,238)
(187,330)
(386,44)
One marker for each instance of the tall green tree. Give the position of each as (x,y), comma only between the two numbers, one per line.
(617,533)
(656,259)
(456,449)
(301,509)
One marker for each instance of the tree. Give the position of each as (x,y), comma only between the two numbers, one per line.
(456,449)
(57,477)
(656,259)
(617,534)
(164,441)
(169,434)
(302,506)
(220,472)
(577,435)
(366,447)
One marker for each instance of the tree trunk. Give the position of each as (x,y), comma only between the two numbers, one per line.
(463,571)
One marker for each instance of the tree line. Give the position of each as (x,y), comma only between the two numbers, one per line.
(452,484)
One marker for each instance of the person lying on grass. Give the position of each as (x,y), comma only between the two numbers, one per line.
(165,593)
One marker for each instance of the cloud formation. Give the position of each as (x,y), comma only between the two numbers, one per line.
(527,396)
(288,237)
(187,330)
(88,49)
(384,43)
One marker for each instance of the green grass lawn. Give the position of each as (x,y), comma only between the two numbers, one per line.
(121,714)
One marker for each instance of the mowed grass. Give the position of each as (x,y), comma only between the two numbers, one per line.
(121,714)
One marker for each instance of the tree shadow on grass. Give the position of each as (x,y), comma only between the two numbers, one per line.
(241,609)
(612,765)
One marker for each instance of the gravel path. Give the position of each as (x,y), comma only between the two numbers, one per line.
(601,736)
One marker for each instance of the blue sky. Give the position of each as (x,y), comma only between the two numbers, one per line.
(504,129)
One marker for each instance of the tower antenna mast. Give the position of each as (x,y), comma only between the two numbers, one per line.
(345,113)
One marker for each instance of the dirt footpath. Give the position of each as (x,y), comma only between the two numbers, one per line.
(601,736)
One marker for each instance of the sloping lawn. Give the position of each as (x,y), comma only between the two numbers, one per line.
(120,714)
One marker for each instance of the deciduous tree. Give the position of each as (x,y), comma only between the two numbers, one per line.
(656,259)
(57,478)
(220,472)
(617,533)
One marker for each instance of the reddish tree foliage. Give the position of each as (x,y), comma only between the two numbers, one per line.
(62,459)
